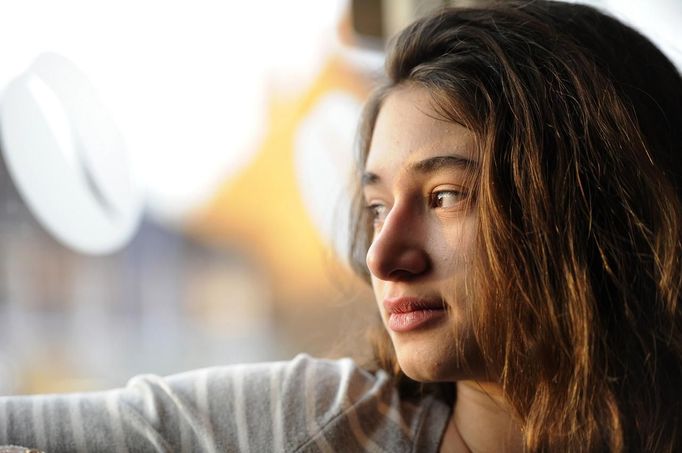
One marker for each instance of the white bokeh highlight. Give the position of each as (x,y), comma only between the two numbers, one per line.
(187,83)
(323,147)
(67,159)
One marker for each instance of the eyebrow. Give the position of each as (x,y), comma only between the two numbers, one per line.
(430,165)
(436,163)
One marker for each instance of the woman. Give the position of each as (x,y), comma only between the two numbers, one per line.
(546,137)
(519,221)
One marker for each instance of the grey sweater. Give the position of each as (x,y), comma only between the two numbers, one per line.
(304,405)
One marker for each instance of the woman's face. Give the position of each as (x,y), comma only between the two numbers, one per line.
(418,188)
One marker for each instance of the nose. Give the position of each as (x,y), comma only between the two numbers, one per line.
(397,251)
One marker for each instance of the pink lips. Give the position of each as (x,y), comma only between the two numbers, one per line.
(409,313)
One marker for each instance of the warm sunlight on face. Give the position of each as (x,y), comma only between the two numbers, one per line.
(419,190)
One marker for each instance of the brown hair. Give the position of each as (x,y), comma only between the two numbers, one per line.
(578,119)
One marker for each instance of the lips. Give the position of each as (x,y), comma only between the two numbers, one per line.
(410,313)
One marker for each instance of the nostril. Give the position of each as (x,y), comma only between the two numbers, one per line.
(403,275)
(412,260)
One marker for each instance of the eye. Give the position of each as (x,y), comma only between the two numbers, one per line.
(446,198)
(377,212)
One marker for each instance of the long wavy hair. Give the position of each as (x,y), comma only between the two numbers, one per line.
(578,123)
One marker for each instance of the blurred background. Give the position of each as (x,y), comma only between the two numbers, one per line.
(237,123)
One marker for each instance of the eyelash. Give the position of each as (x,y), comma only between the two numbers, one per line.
(433,200)
(434,197)
(373,209)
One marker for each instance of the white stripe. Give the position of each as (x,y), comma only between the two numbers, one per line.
(77,424)
(149,399)
(185,432)
(115,422)
(276,409)
(346,369)
(240,414)
(4,402)
(201,392)
(38,422)
(311,421)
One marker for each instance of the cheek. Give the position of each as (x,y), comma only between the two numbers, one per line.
(375,283)
(377,288)
(453,248)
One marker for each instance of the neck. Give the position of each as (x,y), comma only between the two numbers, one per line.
(483,420)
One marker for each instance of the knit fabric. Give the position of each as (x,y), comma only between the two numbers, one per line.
(303,405)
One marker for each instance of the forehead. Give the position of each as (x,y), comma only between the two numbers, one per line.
(409,129)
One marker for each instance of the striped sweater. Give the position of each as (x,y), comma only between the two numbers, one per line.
(304,405)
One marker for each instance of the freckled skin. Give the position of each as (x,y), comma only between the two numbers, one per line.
(421,249)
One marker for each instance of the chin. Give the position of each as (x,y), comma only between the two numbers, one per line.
(426,362)
(426,372)
(438,359)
